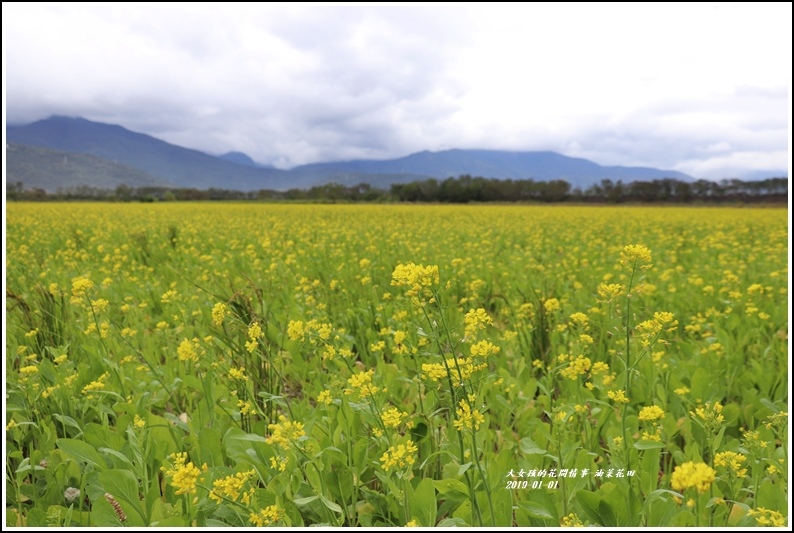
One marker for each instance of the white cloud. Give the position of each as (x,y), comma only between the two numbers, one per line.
(684,86)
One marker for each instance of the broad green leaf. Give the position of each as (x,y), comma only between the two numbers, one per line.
(331,505)
(424,504)
(608,518)
(529,447)
(250,437)
(82,451)
(305,501)
(117,455)
(590,502)
(123,486)
(536,510)
(649,445)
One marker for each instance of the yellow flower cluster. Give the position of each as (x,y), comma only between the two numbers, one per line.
(753,441)
(571,521)
(183,476)
(238,374)
(393,417)
(419,279)
(577,367)
(609,292)
(267,516)
(362,385)
(636,255)
(254,334)
(230,487)
(30,369)
(219,313)
(767,517)
(97,384)
(651,413)
(188,350)
(551,305)
(618,396)
(690,474)
(657,436)
(732,461)
(468,417)
(285,433)
(279,462)
(325,397)
(460,370)
(400,456)
(710,416)
(483,349)
(580,319)
(297,330)
(246,407)
(777,421)
(649,330)
(79,288)
(475,320)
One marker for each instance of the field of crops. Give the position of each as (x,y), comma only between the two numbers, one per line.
(175,364)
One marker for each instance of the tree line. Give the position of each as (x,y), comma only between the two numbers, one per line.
(463,189)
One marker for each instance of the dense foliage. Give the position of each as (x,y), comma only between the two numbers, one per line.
(252,364)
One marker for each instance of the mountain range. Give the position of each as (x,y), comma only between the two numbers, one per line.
(110,155)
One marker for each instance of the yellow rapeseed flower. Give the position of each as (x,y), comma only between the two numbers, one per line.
(636,255)
(393,417)
(690,474)
(468,417)
(285,433)
(231,486)
(651,413)
(183,475)
(399,456)
(732,461)
(618,396)
(219,313)
(267,516)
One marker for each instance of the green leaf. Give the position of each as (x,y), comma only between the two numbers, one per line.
(175,420)
(82,451)
(769,405)
(331,505)
(718,439)
(535,510)
(12,519)
(68,421)
(210,447)
(607,514)
(446,486)
(529,447)
(117,455)
(649,445)
(36,518)
(423,503)
(123,486)
(249,437)
(590,502)
(305,501)
(463,468)
(452,522)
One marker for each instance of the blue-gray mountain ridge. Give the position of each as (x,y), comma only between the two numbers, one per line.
(182,167)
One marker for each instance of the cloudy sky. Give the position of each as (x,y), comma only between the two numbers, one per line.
(699,88)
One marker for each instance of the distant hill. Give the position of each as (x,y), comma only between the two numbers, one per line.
(180,166)
(539,166)
(238,158)
(243,159)
(48,169)
(237,171)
